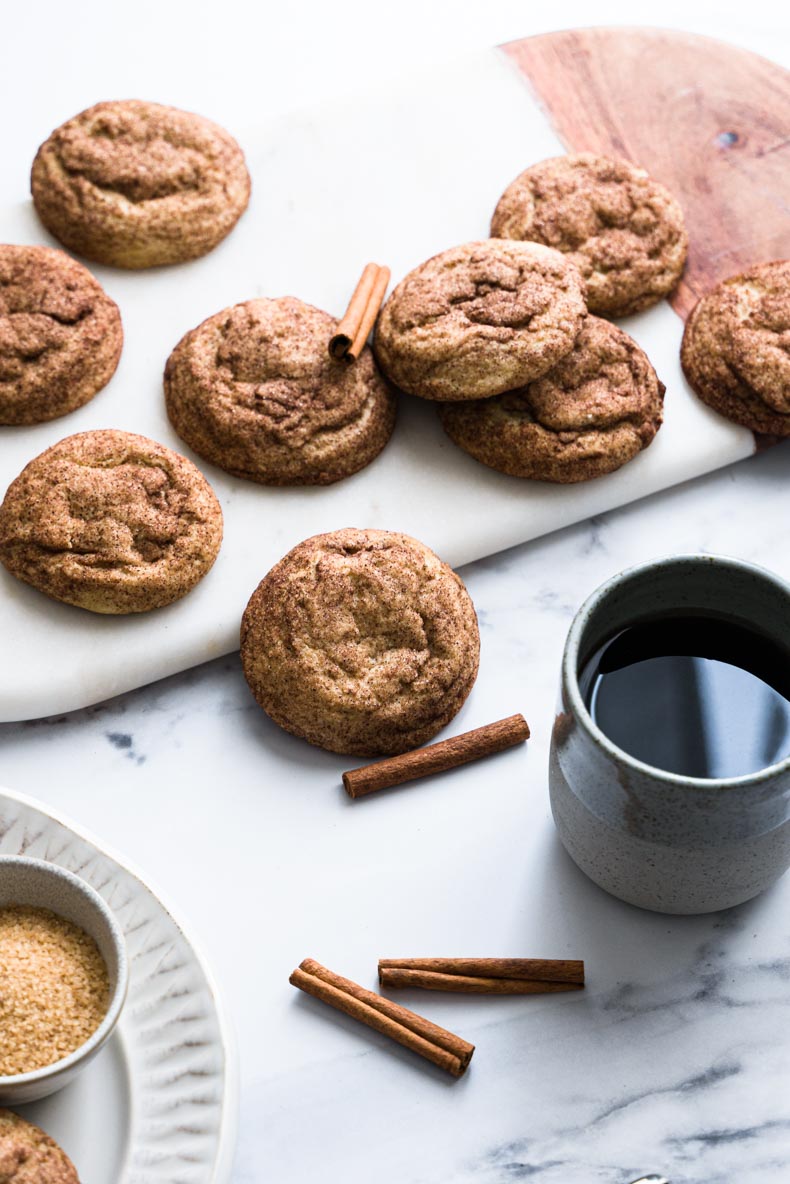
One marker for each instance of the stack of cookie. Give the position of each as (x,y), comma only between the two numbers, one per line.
(511,336)
(108,520)
(502,333)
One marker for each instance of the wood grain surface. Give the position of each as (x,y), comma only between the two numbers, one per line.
(709,120)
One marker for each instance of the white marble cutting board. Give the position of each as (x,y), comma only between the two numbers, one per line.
(332,189)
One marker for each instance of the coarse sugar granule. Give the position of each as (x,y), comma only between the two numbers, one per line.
(54,988)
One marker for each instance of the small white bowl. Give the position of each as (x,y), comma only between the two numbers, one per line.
(37,884)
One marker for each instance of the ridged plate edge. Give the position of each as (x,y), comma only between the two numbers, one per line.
(177,1039)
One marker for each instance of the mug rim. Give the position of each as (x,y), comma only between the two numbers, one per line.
(578,707)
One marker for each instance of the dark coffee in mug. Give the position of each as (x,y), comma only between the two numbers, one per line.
(696,695)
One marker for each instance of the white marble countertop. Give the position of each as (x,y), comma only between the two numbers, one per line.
(676,1058)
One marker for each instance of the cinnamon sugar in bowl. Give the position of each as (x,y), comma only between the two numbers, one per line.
(63,977)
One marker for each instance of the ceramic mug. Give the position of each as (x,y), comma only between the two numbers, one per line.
(666,842)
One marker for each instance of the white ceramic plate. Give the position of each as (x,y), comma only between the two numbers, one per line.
(159,1103)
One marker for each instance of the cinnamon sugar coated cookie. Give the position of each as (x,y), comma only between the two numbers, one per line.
(480,319)
(60,335)
(111,522)
(361,641)
(736,348)
(599,407)
(136,184)
(254,390)
(28,1156)
(623,230)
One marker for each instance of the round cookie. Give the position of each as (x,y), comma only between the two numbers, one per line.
(623,230)
(736,348)
(254,390)
(361,641)
(136,184)
(111,522)
(480,319)
(60,335)
(599,407)
(28,1156)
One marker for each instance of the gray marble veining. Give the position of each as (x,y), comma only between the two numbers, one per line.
(675,1060)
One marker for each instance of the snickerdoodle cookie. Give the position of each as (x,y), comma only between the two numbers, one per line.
(588,416)
(28,1156)
(623,230)
(60,335)
(111,522)
(254,390)
(361,641)
(136,184)
(736,348)
(480,319)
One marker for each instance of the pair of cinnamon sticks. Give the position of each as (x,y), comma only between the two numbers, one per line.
(442,1048)
(487,976)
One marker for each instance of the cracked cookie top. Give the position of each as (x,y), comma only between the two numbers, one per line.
(736,348)
(623,230)
(28,1156)
(111,522)
(361,641)
(60,335)
(480,319)
(599,407)
(254,390)
(136,184)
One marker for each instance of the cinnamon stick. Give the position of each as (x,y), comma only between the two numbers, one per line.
(428,980)
(436,1044)
(484,976)
(437,758)
(349,338)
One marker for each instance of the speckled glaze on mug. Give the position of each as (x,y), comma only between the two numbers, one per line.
(666,842)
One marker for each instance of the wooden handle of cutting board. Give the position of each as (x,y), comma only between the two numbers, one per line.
(708,119)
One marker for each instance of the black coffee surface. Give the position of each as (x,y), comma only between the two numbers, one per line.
(693,695)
